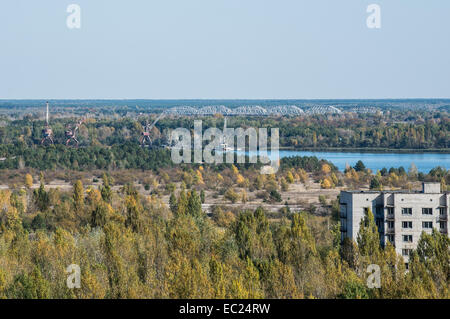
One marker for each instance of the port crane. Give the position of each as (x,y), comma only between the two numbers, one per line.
(145,139)
(71,133)
(47,132)
(72,130)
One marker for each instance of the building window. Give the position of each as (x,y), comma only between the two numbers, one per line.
(390,224)
(406,252)
(407,238)
(390,238)
(427,211)
(427,225)
(442,225)
(407,266)
(390,210)
(406,224)
(406,211)
(442,211)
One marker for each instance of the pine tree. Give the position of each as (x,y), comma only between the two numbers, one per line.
(251,281)
(349,252)
(173,203)
(30,286)
(99,216)
(218,280)
(194,207)
(182,203)
(375,183)
(106,189)
(360,167)
(133,214)
(303,245)
(202,196)
(368,237)
(41,197)
(78,195)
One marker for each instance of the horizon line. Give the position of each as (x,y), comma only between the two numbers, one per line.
(226,99)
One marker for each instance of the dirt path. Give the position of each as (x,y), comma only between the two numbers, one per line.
(299,196)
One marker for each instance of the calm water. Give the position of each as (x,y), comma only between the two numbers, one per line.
(375,161)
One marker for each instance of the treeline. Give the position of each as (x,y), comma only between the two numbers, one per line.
(392,130)
(308,163)
(122,156)
(365,133)
(130,246)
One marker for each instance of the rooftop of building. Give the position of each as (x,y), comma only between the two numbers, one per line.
(401,191)
(383,192)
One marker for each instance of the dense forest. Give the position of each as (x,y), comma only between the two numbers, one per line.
(390,130)
(120,156)
(130,246)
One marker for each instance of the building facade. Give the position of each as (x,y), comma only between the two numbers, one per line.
(401,216)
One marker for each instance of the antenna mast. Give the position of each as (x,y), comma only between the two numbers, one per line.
(47,133)
(46,118)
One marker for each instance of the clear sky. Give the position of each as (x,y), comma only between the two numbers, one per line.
(231,49)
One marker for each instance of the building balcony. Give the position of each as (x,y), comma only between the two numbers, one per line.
(389,212)
(390,230)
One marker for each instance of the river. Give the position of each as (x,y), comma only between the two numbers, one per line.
(376,161)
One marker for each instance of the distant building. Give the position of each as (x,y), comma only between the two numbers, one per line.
(401,216)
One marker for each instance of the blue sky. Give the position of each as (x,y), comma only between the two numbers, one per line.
(180,49)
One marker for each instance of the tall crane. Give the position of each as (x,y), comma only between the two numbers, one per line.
(71,133)
(47,132)
(145,135)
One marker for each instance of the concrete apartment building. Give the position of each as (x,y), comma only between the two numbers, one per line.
(401,216)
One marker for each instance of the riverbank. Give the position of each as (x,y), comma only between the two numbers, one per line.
(365,150)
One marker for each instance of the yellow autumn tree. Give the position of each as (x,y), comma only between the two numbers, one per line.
(326,169)
(235,170)
(28,181)
(326,184)
(240,180)
(289,177)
